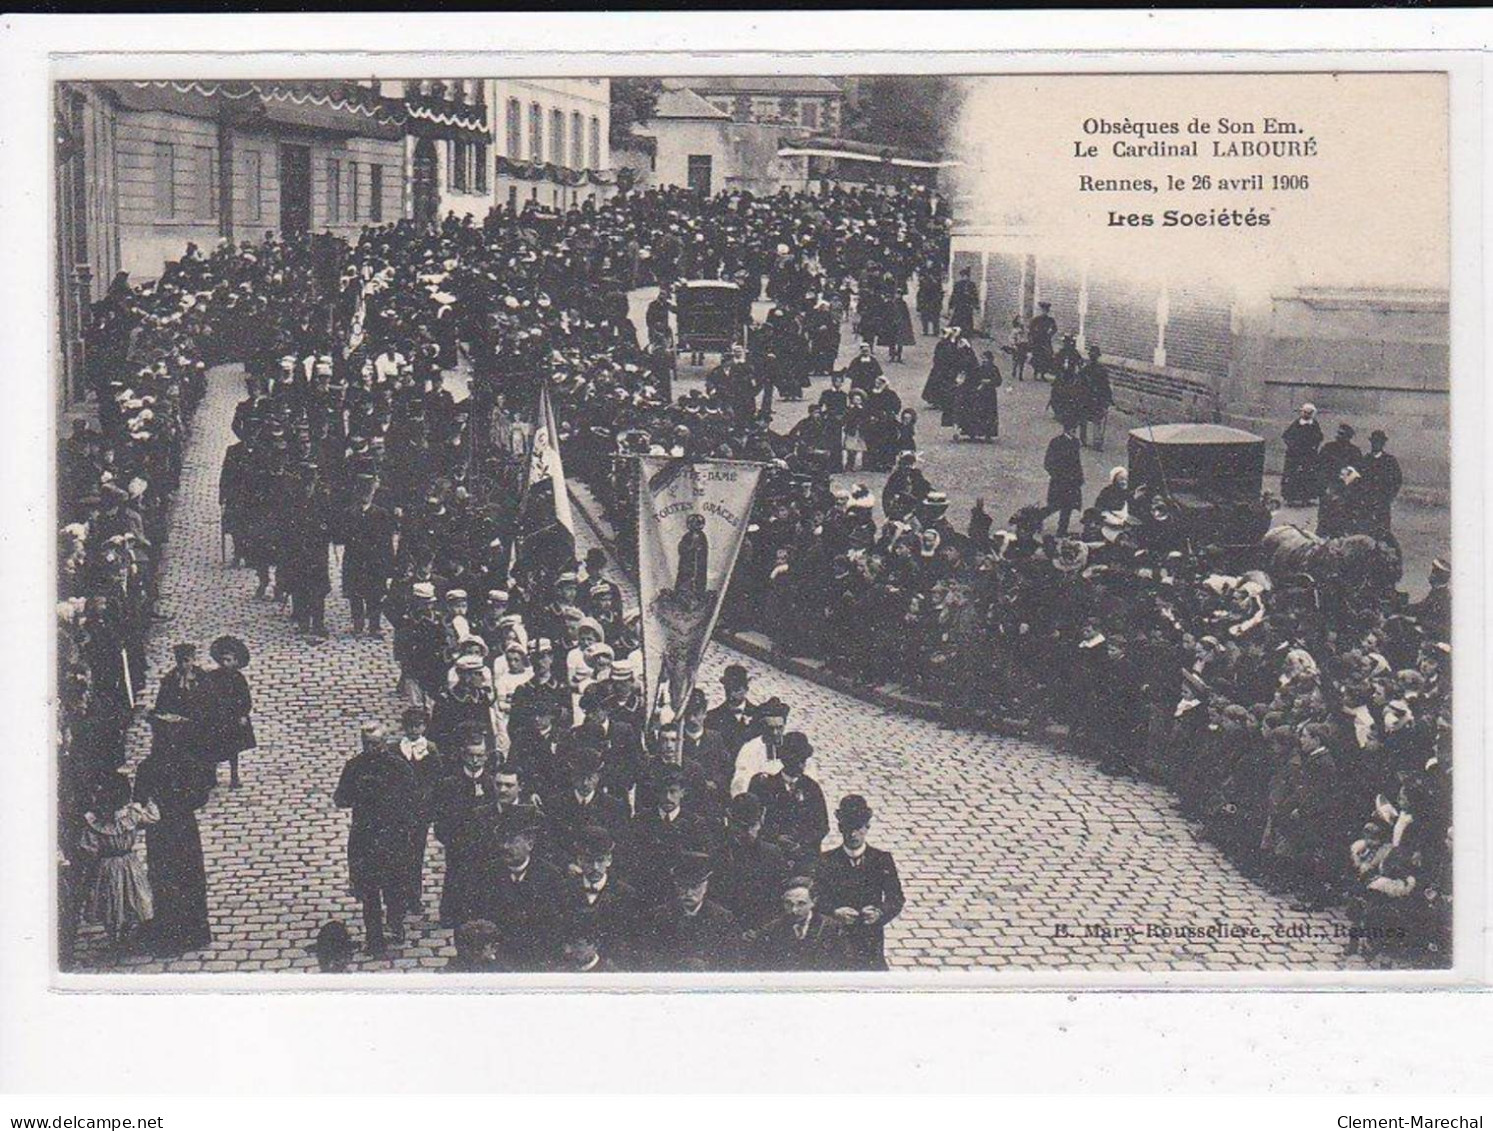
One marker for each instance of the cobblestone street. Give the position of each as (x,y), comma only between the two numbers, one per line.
(1014,855)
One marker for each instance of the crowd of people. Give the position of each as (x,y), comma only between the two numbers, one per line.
(1291,709)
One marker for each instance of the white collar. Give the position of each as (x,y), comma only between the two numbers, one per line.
(854,855)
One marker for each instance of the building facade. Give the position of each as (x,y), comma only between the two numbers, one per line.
(144,168)
(551,139)
(720,133)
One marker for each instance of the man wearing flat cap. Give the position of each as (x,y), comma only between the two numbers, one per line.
(859,886)
(795,816)
(379,786)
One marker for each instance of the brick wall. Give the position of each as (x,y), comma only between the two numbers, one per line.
(1198,329)
(1121,317)
(1003,279)
(1058,282)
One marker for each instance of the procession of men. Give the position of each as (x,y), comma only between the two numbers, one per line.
(583,823)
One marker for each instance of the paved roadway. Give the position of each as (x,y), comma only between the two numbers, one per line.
(1014,855)
(1008,473)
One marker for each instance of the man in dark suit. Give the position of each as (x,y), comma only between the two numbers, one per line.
(801,938)
(733,718)
(466,804)
(522,896)
(621,748)
(379,786)
(1064,466)
(859,886)
(367,558)
(795,816)
(749,872)
(594,901)
(582,802)
(663,829)
(537,750)
(706,750)
(688,931)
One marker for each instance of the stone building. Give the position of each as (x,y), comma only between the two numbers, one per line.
(720,133)
(144,168)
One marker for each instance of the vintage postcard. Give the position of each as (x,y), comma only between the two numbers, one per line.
(756,525)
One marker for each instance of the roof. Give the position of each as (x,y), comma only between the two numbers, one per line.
(1194,434)
(824,150)
(761,84)
(680,103)
(311,106)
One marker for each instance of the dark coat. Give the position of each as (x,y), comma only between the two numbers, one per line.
(668,939)
(368,554)
(381,790)
(733,726)
(527,912)
(778,947)
(1064,467)
(748,880)
(466,811)
(622,749)
(874,883)
(611,914)
(796,817)
(228,705)
(179,786)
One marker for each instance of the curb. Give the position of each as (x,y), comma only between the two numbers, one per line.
(889,697)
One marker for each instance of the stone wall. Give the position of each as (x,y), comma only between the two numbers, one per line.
(1373,358)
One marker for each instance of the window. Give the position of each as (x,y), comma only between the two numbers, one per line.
(458,159)
(165,180)
(595,162)
(352,177)
(334,191)
(253,187)
(479,167)
(515,129)
(557,137)
(536,132)
(808,112)
(513,197)
(577,142)
(204,183)
(376,193)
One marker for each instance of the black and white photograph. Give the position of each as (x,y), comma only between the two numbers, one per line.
(781,522)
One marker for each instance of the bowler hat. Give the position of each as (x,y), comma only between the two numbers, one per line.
(795,748)
(852,812)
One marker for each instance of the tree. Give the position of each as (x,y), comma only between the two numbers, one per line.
(915,112)
(634,99)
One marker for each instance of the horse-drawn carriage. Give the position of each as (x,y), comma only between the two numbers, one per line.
(708,313)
